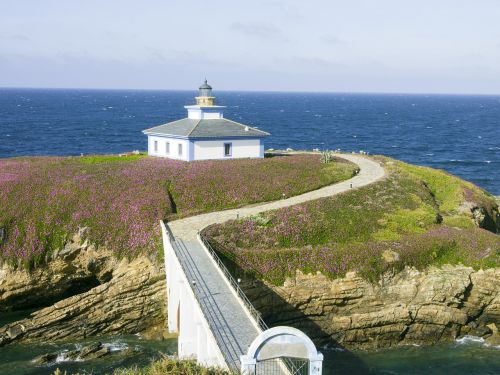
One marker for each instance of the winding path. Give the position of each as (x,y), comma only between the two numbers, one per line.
(231,323)
(370,171)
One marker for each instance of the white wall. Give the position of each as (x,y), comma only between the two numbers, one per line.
(241,148)
(174,147)
(200,113)
(195,336)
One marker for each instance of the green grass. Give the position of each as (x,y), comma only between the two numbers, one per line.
(165,366)
(95,159)
(414,211)
(448,190)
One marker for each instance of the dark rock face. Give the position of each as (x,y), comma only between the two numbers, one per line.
(486,216)
(412,307)
(95,293)
(70,271)
(45,359)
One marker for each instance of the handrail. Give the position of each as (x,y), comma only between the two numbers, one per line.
(236,286)
(180,251)
(210,315)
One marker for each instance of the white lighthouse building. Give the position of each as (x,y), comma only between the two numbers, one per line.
(205,134)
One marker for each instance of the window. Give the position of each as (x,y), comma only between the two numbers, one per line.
(167,148)
(156,146)
(227,149)
(180,149)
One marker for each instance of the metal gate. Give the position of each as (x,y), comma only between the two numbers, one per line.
(282,366)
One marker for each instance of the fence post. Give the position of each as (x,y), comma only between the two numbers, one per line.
(248,365)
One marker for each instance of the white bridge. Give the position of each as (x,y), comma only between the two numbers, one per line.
(217,325)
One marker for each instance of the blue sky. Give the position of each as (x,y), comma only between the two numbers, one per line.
(430,46)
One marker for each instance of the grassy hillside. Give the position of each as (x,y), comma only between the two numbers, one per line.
(122,198)
(416,216)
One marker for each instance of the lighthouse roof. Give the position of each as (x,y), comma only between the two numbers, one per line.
(205,85)
(206,128)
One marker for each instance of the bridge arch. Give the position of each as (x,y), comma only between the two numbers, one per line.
(282,344)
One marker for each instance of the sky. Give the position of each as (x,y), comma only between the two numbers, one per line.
(409,46)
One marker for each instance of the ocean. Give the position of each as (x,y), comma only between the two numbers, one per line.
(460,134)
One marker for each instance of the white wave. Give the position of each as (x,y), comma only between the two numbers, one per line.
(467,339)
(115,346)
(333,348)
(63,357)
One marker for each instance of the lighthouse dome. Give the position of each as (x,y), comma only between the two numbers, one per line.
(205,90)
(205,86)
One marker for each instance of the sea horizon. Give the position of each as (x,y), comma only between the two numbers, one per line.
(409,93)
(457,133)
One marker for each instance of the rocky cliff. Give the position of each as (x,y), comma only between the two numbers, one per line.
(83,291)
(410,307)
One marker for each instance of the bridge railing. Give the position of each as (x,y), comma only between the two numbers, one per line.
(289,366)
(212,317)
(236,286)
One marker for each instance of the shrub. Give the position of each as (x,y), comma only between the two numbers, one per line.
(327,157)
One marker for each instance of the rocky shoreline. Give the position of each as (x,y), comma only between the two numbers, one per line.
(85,292)
(407,308)
(82,292)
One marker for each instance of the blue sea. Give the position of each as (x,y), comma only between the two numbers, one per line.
(460,134)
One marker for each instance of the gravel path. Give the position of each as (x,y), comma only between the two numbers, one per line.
(230,322)
(370,171)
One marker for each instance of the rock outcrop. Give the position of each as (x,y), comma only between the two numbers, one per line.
(410,307)
(84,291)
(95,293)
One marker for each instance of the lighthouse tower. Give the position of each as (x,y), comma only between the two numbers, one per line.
(205,134)
(205,107)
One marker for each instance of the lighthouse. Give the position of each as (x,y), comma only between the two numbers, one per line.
(205,134)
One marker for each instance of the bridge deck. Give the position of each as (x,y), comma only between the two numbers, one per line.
(232,327)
